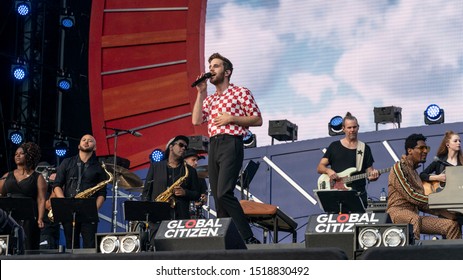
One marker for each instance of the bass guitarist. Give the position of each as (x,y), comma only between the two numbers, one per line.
(347,153)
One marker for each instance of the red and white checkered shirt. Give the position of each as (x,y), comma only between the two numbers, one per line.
(236,101)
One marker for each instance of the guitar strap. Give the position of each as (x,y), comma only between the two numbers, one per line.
(360,153)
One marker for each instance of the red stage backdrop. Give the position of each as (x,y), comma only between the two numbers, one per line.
(143,57)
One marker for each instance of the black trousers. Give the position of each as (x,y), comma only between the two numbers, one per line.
(87,230)
(225,160)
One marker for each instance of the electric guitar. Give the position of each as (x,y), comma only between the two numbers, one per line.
(345,177)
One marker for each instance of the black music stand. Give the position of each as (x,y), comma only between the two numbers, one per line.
(340,201)
(147,211)
(21,208)
(72,210)
(246,176)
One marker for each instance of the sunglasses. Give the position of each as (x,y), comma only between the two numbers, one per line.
(423,148)
(181,145)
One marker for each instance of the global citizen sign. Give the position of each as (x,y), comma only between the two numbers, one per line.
(193,228)
(343,223)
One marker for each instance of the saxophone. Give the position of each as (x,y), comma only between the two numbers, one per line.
(88,192)
(168,195)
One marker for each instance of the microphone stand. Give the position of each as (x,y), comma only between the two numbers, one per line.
(115,180)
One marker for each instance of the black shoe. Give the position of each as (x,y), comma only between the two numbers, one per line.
(252,240)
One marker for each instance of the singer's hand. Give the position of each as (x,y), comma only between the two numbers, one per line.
(222,119)
(202,87)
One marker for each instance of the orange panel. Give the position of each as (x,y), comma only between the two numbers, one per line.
(127,4)
(144,38)
(145,96)
(139,22)
(129,87)
(143,55)
(119,79)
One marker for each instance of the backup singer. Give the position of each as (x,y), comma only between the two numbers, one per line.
(25,182)
(406,196)
(449,152)
(75,175)
(228,113)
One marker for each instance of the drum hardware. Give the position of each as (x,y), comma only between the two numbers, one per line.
(116,176)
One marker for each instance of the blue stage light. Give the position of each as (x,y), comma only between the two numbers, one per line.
(157,155)
(61,147)
(23,8)
(19,71)
(67,21)
(335,126)
(63,83)
(16,136)
(249,140)
(433,114)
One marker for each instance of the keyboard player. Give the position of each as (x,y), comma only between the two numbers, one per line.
(406,198)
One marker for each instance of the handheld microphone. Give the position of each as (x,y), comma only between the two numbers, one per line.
(201,79)
(437,159)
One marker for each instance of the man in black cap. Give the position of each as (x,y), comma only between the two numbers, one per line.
(163,174)
(192,157)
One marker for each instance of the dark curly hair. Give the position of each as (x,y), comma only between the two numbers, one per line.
(33,154)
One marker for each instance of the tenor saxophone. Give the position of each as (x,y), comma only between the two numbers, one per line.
(88,192)
(168,195)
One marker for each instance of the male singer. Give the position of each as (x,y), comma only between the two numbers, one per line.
(228,112)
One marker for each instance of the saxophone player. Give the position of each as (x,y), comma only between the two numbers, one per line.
(74,175)
(173,171)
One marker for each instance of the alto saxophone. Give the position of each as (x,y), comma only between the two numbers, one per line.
(88,192)
(168,195)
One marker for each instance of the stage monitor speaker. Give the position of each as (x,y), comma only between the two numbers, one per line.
(343,241)
(337,230)
(198,234)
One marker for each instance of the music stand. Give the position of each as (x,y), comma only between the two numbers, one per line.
(147,211)
(246,176)
(72,210)
(340,201)
(20,208)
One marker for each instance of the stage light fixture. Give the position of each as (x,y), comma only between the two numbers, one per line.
(61,147)
(335,126)
(385,235)
(23,8)
(130,244)
(67,21)
(64,83)
(19,71)
(16,136)
(127,242)
(433,114)
(156,155)
(4,240)
(249,140)
(109,244)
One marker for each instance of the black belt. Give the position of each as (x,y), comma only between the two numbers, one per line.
(225,136)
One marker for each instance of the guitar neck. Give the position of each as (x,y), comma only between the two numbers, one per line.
(364,175)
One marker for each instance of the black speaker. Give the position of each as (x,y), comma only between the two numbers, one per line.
(199,143)
(343,241)
(198,234)
(282,130)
